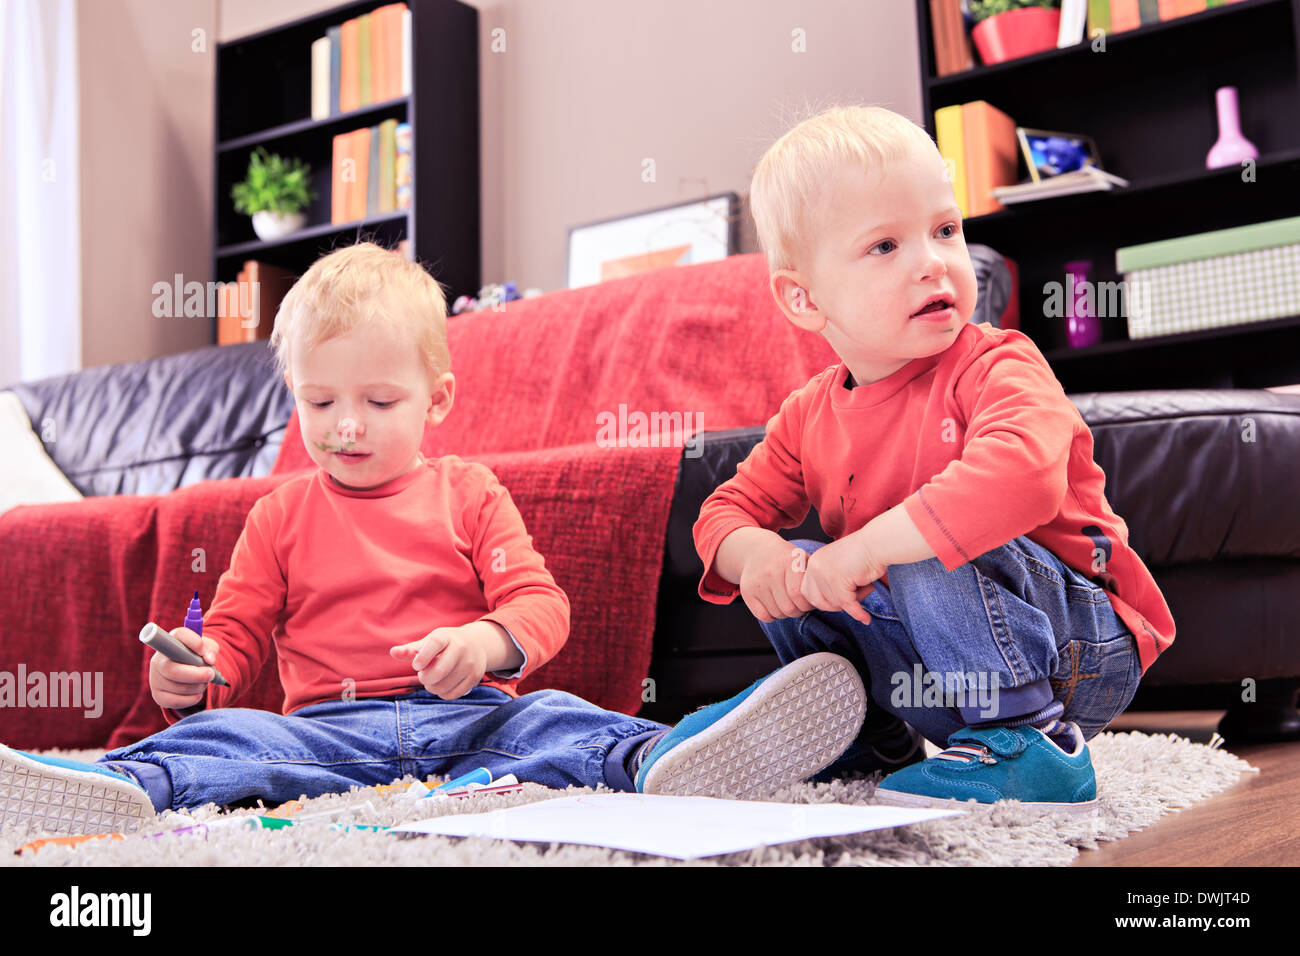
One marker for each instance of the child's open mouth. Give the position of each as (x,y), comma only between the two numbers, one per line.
(938,308)
(352,457)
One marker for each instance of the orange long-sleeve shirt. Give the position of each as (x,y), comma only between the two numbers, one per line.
(335,577)
(980,445)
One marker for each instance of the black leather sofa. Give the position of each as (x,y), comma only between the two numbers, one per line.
(1208,482)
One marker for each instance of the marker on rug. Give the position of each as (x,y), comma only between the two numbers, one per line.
(481,775)
(161,641)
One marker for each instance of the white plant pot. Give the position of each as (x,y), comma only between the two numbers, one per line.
(275,225)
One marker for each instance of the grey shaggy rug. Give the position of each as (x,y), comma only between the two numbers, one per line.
(1140,777)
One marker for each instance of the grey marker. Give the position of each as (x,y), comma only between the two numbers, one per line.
(164,643)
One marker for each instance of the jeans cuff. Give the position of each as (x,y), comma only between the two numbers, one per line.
(1013,704)
(152,778)
(616,775)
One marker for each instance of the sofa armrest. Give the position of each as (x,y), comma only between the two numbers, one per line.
(77,574)
(83,578)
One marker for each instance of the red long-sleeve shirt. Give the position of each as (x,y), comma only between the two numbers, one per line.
(335,577)
(980,445)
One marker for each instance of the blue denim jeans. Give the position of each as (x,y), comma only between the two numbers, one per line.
(231,754)
(1013,637)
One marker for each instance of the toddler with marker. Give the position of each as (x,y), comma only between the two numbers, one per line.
(973,549)
(405,602)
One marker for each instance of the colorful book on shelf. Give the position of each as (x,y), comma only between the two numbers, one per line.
(349,65)
(952,146)
(978,142)
(249,304)
(406,50)
(387,165)
(404,169)
(333,34)
(360,154)
(365,177)
(338,185)
(387,57)
(372,177)
(320,78)
(952,47)
(379,91)
(992,153)
(363,60)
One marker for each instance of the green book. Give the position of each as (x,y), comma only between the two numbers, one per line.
(387,159)
(363,35)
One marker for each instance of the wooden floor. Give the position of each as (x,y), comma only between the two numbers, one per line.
(1254,823)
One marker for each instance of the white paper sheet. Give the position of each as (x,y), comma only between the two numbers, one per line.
(680,827)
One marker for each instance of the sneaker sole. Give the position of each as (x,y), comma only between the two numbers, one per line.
(63,800)
(897,798)
(794,724)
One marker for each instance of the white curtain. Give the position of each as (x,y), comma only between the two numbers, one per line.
(40,217)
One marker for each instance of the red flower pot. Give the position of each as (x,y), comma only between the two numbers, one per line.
(1006,36)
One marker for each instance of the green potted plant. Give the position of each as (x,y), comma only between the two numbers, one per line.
(275,193)
(1006,29)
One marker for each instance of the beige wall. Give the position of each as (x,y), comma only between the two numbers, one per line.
(146,170)
(583,93)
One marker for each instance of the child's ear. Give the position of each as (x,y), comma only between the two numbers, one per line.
(790,289)
(442,398)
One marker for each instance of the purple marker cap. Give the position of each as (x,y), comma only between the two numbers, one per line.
(194,616)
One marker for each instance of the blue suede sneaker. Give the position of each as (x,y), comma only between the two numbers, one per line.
(55,795)
(779,730)
(999,763)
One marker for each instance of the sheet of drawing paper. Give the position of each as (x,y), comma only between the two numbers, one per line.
(680,827)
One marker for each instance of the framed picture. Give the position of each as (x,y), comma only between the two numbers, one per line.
(1049,154)
(702,230)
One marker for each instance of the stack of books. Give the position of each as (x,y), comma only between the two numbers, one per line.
(362,61)
(1086,180)
(247,307)
(372,172)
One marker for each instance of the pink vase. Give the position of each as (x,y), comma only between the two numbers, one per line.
(1231,147)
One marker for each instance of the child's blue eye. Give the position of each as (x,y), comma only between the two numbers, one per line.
(890,242)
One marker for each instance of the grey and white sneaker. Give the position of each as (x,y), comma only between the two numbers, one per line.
(780,730)
(55,795)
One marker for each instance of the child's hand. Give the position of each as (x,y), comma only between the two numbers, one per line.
(450,661)
(840,575)
(177,686)
(771,579)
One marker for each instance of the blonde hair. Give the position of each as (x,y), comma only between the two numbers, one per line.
(364,286)
(789,180)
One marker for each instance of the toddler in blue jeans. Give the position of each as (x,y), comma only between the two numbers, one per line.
(976,578)
(404,599)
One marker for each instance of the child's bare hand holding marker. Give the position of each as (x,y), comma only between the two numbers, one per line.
(177,686)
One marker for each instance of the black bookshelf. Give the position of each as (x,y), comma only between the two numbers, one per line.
(263,98)
(1148,102)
